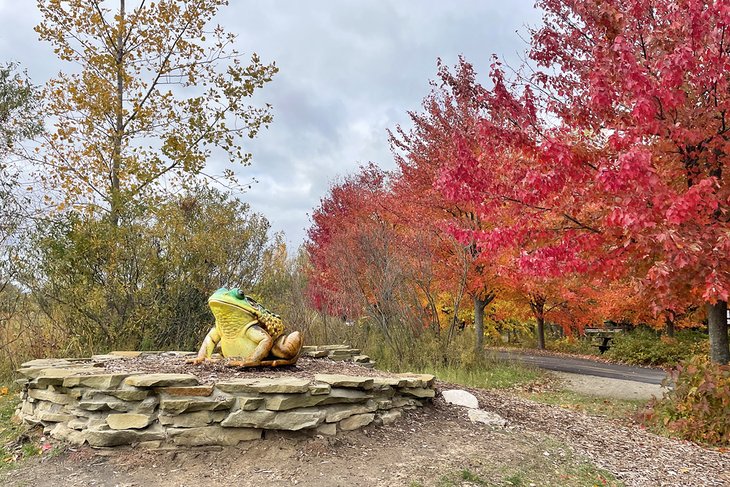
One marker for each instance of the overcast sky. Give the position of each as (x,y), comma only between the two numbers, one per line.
(349,70)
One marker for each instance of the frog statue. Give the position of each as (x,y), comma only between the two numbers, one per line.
(248,333)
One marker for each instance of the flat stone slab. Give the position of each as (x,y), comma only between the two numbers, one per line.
(419,392)
(123,394)
(46,362)
(346,381)
(50,396)
(344,351)
(197,419)
(284,402)
(417,380)
(287,421)
(316,353)
(52,376)
(161,380)
(286,385)
(123,421)
(103,437)
(183,391)
(386,382)
(337,413)
(94,381)
(176,405)
(212,435)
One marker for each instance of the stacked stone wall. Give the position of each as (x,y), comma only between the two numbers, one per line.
(79,405)
(343,353)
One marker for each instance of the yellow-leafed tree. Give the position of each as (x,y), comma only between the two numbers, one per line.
(155,91)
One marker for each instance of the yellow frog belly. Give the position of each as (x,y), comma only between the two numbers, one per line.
(234,342)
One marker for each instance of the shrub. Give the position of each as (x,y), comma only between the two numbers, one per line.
(572,345)
(645,347)
(697,406)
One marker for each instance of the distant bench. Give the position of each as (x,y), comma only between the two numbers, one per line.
(601,337)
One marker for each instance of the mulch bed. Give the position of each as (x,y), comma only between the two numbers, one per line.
(635,455)
(213,371)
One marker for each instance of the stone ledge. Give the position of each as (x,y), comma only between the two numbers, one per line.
(78,403)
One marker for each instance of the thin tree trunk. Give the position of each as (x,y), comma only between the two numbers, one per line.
(479,306)
(537,304)
(668,326)
(115,202)
(717,328)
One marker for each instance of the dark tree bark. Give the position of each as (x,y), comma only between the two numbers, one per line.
(717,328)
(669,326)
(537,305)
(479,304)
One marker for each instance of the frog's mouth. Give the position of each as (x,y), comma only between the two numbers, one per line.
(228,304)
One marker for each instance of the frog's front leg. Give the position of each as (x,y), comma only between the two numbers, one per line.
(263,341)
(206,349)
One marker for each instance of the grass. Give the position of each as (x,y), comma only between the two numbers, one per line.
(460,478)
(593,405)
(14,442)
(488,375)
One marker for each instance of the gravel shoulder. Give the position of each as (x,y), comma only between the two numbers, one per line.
(609,388)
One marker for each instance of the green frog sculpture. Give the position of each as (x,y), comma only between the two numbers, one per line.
(248,334)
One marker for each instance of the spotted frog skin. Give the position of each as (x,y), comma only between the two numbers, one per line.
(247,332)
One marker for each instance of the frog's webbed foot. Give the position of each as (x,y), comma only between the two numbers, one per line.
(262,363)
(200,360)
(243,363)
(279,362)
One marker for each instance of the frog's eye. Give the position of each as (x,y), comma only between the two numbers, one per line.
(237,293)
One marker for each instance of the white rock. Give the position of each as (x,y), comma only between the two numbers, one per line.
(461,398)
(485,417)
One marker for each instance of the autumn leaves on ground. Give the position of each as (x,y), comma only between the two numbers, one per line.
(584,188)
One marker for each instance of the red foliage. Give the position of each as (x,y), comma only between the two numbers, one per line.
(597,181)
(615,167)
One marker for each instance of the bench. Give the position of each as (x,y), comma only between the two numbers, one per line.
(602,336)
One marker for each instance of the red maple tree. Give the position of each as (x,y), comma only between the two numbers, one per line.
(615,149)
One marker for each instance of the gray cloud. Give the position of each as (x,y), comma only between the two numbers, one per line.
(349,70)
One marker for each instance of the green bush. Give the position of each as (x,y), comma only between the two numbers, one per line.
(697,406)
(646,347)
(572,345)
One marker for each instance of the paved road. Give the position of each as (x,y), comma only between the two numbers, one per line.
(587,367)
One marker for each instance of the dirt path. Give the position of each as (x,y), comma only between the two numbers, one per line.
(437,446)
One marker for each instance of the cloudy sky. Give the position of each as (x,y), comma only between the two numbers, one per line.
(349,70)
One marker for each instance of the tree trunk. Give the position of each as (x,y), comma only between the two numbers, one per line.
(118,135)
(537,305)
(540,333)
(669,326)
(717,328)
(479,305)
